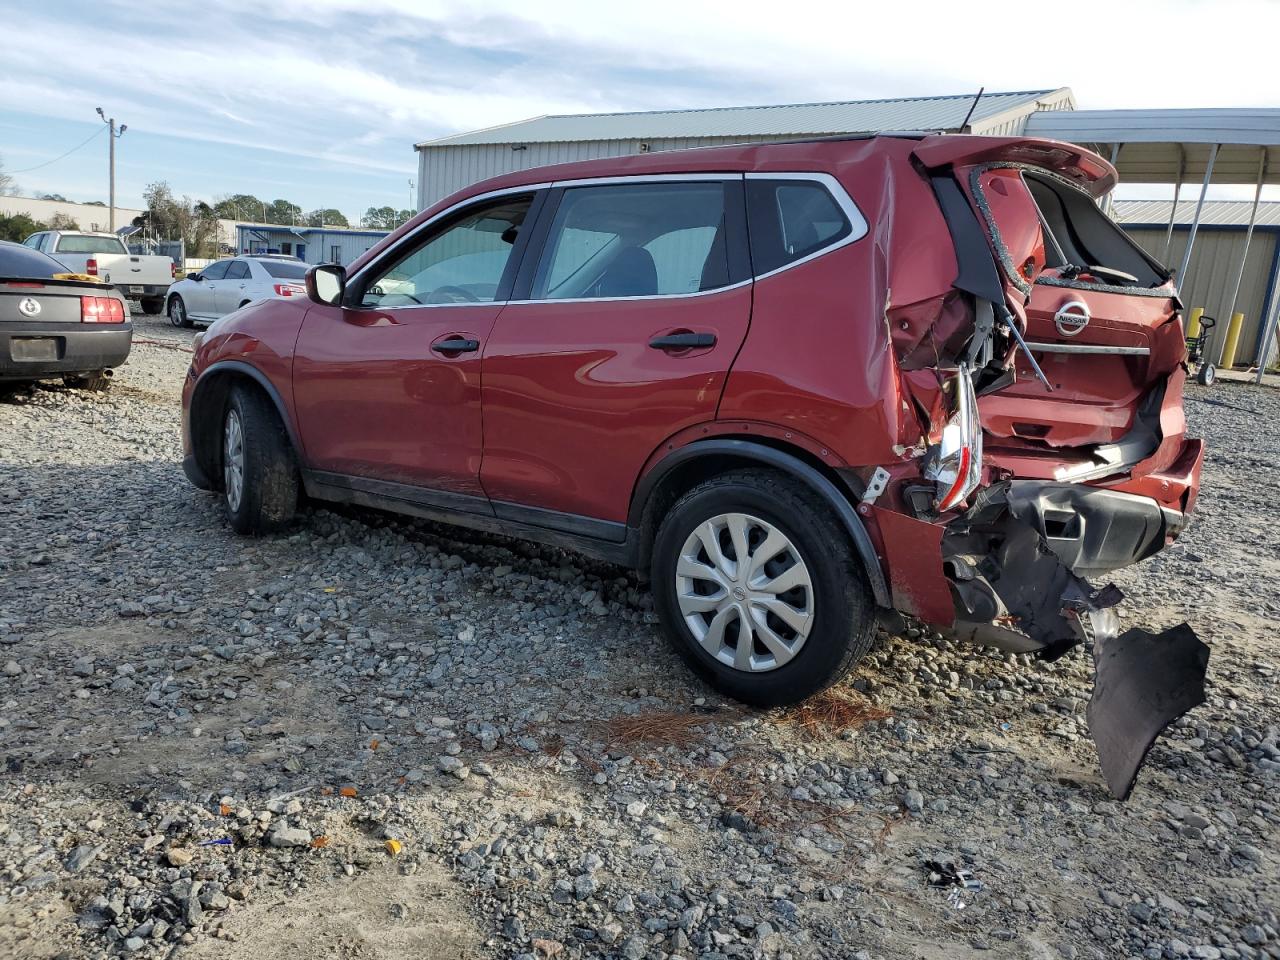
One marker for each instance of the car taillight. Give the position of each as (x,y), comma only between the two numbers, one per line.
(289,290)
(91,267)
(173,270)
(101,310)
(955,461)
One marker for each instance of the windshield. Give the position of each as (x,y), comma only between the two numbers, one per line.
(75,244)
(284,270)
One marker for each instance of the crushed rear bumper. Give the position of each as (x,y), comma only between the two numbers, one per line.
(1014,568)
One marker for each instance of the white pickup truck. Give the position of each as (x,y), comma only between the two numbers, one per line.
(137,277)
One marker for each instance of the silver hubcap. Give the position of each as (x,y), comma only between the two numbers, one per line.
(744,592)
(233,460)
(175,312)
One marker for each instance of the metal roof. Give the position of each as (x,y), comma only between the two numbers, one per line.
(1155,144)
(799,119)
(1220,212)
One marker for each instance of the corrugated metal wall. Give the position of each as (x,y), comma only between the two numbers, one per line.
(1212,274)
(349,246)
(444,170)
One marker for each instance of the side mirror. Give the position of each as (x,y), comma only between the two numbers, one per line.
(326,283)
(194,276)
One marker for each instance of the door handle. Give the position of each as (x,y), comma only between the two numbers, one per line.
(683,341)
(455,345)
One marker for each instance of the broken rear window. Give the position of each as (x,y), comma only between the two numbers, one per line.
(1080,238)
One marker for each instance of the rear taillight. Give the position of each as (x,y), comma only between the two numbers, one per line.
(91,267)
(101,310)
(288,290)
(955,461)
(173,270)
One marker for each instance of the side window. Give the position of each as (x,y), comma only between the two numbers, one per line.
(635,240)
(792,219)
(465,262)
(239,270)
(215,271)
(33,241)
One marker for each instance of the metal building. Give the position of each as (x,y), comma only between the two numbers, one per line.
(451,163)
(311,244)
(1220,243)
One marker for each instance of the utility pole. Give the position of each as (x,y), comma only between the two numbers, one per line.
(113,136)
(411,203)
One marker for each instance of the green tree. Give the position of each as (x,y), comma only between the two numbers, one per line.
(282,211)
(53,196)
(193,222)
(326,216)
(18,227)
(384,218)
(240,206)
(60,221)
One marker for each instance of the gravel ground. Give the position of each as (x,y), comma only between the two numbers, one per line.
(377,738)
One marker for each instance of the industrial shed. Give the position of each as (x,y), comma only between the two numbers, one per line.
(1219,244)
(451,163)
(311,244)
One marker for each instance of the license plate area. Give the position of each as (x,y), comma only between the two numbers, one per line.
(137,289)
(34,349)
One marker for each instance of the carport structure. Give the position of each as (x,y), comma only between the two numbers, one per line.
(1208,146)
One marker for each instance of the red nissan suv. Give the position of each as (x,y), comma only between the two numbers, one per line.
(800,385)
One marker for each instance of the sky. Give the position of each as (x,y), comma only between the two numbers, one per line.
(320,101)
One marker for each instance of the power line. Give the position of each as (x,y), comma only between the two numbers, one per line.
(96,133)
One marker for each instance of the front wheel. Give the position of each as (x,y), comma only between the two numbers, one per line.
(259,471)
(178,313)
(759,589)
(1207,374)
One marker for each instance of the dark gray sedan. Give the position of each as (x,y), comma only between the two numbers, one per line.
(58,324)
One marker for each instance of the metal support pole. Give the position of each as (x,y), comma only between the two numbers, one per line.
(1173,212)
(111,150)
(1268,334)
(1248,236)
(1195,222)
(1108,202)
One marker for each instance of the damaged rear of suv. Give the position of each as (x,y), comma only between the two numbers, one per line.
(1057,448)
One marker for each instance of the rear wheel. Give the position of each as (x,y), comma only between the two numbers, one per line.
(259,471)
(152,305)
(759,589)
(178,312)
(1207,374)
(97,380)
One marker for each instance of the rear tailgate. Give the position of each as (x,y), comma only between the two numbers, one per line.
(125,270)
(1100,317)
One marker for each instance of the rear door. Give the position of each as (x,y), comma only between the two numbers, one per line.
(631,317)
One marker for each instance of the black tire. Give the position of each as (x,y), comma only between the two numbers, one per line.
(1207,374)
(97,381)
(178,315)
(152,305)
(11,388)
(843,614)
(269,488)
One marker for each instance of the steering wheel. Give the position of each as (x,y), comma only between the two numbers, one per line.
(452,294)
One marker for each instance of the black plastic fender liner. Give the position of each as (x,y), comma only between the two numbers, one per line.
(237,367)
(1143,682)
(787,463)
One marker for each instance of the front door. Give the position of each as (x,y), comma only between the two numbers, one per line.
(200,299)
(634,311)
(231,290)
(387,386)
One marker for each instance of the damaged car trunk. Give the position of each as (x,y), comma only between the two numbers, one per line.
(1057,447)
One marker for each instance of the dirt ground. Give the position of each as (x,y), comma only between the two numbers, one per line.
(371,737)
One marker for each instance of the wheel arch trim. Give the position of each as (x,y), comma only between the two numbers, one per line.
(240,368)
(786,463)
